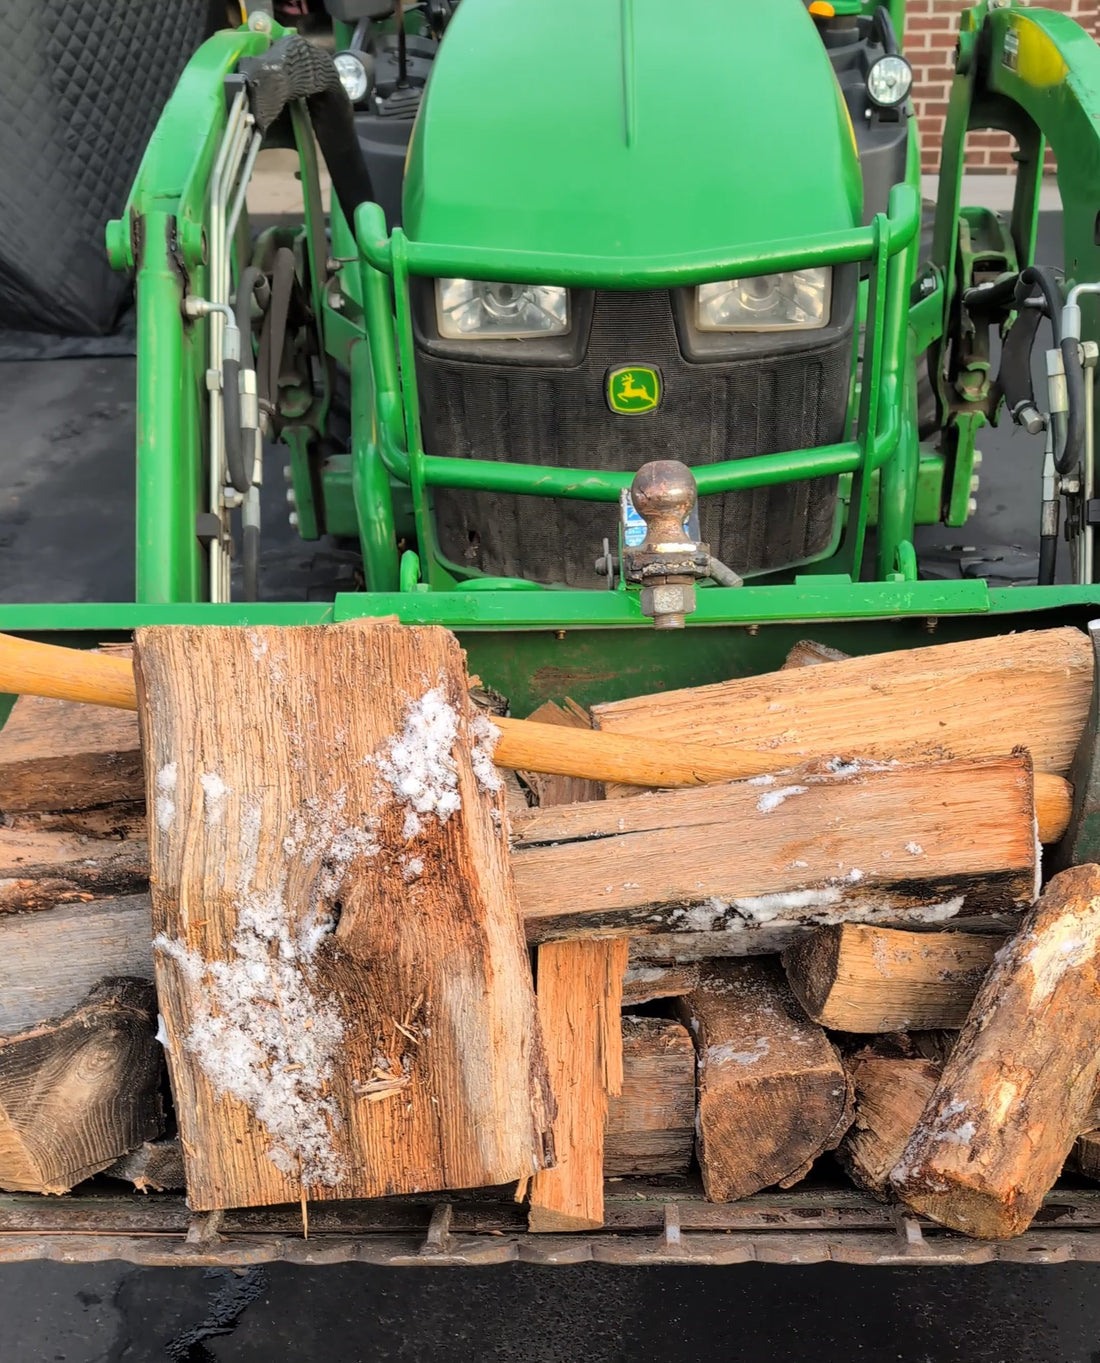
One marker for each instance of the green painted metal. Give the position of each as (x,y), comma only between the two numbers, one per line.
(508,149)
(373,499)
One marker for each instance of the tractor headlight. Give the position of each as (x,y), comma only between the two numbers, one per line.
(889,81)
(478,309)
(353,75)
(797,301)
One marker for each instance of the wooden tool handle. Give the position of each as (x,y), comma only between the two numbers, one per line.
(28,668)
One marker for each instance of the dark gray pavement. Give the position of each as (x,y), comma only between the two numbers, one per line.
(66,503)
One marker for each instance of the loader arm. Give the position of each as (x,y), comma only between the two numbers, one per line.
(1034,74)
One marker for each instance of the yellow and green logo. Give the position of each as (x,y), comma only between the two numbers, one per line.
(633,389)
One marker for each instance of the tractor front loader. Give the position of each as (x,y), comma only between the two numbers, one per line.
(623,351)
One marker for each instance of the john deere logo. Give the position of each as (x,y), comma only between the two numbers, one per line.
(633,389)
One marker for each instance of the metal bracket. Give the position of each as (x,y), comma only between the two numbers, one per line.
(438,1239)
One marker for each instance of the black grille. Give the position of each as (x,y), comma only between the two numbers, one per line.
(709,413)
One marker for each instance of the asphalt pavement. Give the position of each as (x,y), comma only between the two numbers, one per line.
(66,506)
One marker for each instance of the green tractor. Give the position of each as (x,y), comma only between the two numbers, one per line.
(540,276)
(618,352)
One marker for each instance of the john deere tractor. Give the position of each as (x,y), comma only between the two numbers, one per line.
(614,326)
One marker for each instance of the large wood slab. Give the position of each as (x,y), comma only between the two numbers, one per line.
(904,844)
(40,868)
(339,960)
(49,961)
(1018,1087)
(579,998)
(773,1094)
(55,754)
(79,1091)
(977,698)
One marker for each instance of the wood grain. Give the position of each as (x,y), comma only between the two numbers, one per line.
(890,1095)
(39,869)
(647,980)
(56,754)
(978,698)
(49,961)
(366,960)
(1018,1087)
(857,978)
(899,844)
(579,998)
(651,1123)
(81,1090)
(773,1094)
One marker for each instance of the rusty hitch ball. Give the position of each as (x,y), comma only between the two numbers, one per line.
(663,493)
(669,561)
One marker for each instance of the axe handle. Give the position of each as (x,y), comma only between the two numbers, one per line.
(31,669)
(28,668)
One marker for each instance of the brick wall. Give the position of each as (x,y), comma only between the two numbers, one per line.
(930,28)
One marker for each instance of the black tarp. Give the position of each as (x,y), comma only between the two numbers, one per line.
(82,83)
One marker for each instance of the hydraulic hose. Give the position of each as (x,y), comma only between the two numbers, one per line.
(1074,445)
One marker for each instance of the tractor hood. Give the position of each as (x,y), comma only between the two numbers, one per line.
(626,128)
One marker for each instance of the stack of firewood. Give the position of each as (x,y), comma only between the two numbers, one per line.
(845,953)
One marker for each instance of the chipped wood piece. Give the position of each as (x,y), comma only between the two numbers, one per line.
(1086,1154)
(49,961)
(900,845)
(39,869)
(651,1123)
(808,653)
(579,998)
(647,980)
(561,790)
(155,1166)
(890,1095)
(515,798)
(81,1090)
(773,1094)
(977,698)
(853,977)
(1018,1087)
(345,987)
(57,754)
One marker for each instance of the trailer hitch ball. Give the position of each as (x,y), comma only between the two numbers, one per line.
(668,561)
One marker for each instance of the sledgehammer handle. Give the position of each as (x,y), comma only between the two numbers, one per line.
(34,669)
(30,669)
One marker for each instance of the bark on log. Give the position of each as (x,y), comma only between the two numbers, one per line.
(856,978)
(56,754)
(773,1094)
(978,698)
(651,1123)
(81,1090)
(808,653)
(579,1000)
(890,1096)
(900,845)
(1017,1088)
(340,967)
(155,1166)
